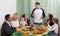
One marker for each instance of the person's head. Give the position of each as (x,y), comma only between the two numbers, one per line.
(22,19)
(55,20)
(50,16)
(8,18)
(37,5)
(25,16)
(15,16)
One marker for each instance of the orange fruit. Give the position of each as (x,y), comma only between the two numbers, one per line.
(38,32)
(19,30)
(33,32)
(44,30)
(26,32)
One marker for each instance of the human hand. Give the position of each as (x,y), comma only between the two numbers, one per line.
(33,15)
(41,17)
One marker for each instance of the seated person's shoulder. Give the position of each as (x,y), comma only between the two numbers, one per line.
(4,23)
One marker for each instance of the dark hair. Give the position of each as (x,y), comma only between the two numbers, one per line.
(50,16)
(37,3)
(50,19)
(51,23)
(23,15)
(7,16)
(55,20)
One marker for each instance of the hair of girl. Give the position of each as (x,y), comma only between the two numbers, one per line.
(51,16)
(55,20)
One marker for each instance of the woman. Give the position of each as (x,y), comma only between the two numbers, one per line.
(15,22)
(26,19)
(50,17)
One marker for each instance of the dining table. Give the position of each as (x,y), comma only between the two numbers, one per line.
(21,34)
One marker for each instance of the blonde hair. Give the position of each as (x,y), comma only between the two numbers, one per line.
(14,15)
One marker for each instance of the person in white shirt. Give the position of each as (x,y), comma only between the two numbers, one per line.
(54,27)
(15,22)
(38,14)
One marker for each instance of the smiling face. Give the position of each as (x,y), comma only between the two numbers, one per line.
(26,16)
(15,16)
(50,16)
(10,19)
(37,6)
(23,19)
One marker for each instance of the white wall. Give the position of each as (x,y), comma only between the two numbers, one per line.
(6,7)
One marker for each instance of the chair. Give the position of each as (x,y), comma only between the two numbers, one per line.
(0,32)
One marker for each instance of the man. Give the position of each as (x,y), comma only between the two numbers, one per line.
(38,14)
(6,26)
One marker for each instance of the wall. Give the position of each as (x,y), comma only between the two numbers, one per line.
(50,7)
(25,6)
(6,7)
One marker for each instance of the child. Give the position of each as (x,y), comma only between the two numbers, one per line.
(23,22)
(15,22)
(54,27)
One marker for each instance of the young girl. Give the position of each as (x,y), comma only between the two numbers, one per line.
(54,27)
(15,22)
(23,22)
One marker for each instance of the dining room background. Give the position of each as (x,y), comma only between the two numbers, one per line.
(49,6)
(26,7)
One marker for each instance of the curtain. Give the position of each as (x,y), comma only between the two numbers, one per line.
(50,6)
